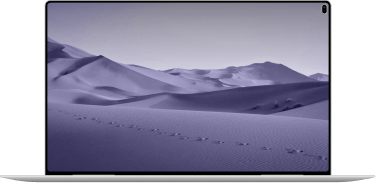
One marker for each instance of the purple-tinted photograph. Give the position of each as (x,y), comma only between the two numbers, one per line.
(187,87)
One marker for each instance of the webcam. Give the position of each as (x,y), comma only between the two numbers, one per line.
(324,9)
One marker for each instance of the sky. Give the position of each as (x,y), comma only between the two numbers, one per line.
(162,36)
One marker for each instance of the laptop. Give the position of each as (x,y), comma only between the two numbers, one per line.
(188,91)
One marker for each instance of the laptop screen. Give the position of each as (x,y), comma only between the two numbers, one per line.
(187,88)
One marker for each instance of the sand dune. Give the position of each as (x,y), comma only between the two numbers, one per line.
(104,72)
(96,138)
(255,100)
(67,70)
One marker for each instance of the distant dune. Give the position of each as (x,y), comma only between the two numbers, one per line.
(320,77)
(252,75)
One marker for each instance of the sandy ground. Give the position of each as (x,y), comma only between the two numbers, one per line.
(97,138)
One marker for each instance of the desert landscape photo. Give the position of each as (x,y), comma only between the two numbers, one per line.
(149,95)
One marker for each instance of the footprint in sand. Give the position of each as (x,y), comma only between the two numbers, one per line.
(111,123)
(184,137)
(294,151)
(202,138)
(140,128)
(175,134)
(94,119)
(266,148)
(218,142)
(119,125)
(155,129)
(317,157)
(80,118)
(162,133)
(321,158)
(132,126)
(243,143)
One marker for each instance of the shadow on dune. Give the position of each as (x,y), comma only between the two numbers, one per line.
(115,91)
(78,64)
(56,51)
(93,100)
